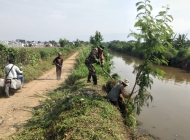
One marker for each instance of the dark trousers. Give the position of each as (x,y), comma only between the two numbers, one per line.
(115,103)
(58,72)
(119,104)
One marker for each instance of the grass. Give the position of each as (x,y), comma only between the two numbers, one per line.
(80,115)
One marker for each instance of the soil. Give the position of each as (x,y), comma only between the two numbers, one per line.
(17,109)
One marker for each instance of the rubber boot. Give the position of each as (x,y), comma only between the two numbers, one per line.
(94,79)
(89,78)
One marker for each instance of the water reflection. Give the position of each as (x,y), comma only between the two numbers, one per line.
(171,74)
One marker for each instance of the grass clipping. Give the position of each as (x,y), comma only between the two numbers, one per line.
(80,117)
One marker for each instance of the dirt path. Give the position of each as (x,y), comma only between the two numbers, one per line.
(13,110)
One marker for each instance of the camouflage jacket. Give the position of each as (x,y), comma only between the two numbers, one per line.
(94,56)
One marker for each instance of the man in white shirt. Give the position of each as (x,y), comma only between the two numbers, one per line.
(13,72)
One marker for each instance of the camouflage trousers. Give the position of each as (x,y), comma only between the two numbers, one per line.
(91,69)
(92,73)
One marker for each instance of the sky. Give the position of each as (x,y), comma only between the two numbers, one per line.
(44,20)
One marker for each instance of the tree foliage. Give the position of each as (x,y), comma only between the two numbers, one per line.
(181,42)
(153,33)
(97,39)
(78,43)
(53,42)
(63,42)
(2,47)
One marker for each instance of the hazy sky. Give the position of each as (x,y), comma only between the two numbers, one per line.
(44,20)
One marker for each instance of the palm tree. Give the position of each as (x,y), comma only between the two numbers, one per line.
(181,42)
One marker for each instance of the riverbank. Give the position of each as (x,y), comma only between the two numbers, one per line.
(178,58)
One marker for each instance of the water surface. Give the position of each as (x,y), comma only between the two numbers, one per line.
(168,116)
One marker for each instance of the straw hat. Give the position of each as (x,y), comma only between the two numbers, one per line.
(126,82)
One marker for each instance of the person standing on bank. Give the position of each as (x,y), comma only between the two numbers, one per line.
(58,61)
(117,93)
(93,57)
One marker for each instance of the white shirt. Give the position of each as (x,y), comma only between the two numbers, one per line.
(13,72)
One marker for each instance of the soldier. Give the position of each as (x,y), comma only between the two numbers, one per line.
(58,61)
(96,53)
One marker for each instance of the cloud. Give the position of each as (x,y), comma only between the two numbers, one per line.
(181,25)
(73,18)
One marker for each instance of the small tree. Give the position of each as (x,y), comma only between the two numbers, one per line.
(97,39)
(63,42)
(53,42)
(154,33)
(77,43)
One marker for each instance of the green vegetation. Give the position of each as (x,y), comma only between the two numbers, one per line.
(65,116)
(174,57)
(96,39)
(63,42)
(181,42)
(77,110)
(34,61)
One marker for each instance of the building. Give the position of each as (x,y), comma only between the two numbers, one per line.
(20,40)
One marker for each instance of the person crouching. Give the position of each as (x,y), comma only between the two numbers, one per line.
(118,91)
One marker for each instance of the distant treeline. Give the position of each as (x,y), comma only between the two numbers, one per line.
(175,55)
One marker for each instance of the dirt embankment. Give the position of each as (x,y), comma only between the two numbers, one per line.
(17,109)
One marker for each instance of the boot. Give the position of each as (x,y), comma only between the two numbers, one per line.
(94,79)
(89,78)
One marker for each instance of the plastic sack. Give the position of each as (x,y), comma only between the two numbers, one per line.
(16,84)
(2,82)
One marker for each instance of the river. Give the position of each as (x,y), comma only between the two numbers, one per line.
(168,115)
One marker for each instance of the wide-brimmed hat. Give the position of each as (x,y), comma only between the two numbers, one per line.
(126,82)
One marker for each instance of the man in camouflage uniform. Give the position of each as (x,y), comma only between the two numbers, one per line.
(96,53)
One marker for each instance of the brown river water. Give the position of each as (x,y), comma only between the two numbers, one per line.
(168,115)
